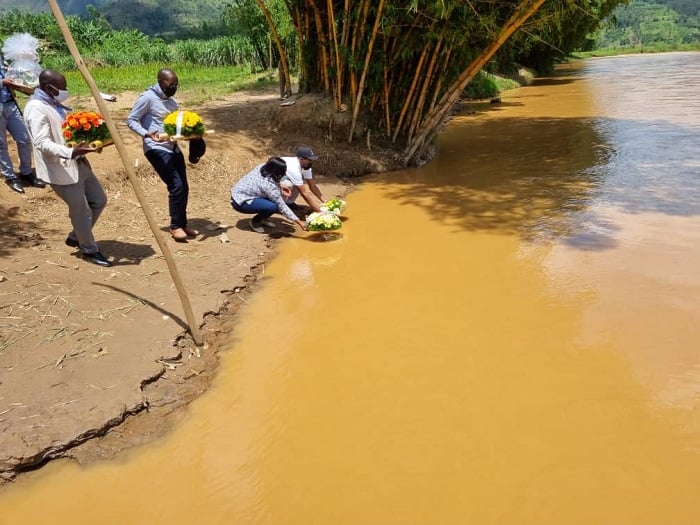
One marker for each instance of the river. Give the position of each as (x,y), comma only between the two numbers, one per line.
(508,335)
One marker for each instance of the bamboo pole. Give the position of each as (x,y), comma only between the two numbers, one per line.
(286,80)
(427,81)
(363,77)
(411,90)
(194,328)
(333,31)
(431,122)
(323,44)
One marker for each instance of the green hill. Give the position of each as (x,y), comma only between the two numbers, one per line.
(655,24)
(165,17)
(68,7)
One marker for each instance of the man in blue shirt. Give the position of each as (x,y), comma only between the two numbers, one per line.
(11,120)
(146,119)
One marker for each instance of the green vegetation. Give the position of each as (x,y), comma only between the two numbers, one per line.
(398,65)
(240,37)
(651,26)
(487,85)
(201,83)
(169,19)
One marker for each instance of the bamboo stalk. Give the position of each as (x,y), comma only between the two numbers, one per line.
(338,67)
(417,111)
(368,56)
(357,35)
(387,109)
(287,91)
(172,267)
(323,44)
(431,123)
(409,95)
(438,84)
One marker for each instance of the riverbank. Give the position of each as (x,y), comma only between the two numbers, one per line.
(94,360)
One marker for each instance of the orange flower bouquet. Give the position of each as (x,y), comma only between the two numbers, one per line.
(86,126)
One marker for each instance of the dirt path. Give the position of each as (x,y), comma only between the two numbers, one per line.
(89,352)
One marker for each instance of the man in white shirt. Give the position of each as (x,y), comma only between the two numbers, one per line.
(299,179)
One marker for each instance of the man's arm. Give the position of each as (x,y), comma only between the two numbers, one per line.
(40,130)
(315,189)
(17,87)
(133,121)
(309,197)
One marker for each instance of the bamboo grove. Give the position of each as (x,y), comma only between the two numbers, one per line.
(400,66)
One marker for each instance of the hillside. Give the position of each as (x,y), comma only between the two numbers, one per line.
(660,24)
(148,16)
(69,7)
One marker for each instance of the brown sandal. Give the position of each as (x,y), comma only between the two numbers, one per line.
(178,234)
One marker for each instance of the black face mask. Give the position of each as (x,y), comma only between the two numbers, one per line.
(170,91)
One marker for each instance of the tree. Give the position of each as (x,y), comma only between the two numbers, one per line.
(285,79)
(401,65)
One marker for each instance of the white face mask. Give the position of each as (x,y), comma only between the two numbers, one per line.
(62,95)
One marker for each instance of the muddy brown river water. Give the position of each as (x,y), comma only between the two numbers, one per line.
(509,335)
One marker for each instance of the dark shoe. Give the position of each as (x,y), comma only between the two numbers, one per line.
(33,181)
(72,243)
(15,184)
(190,232)
(97,258)
(257,228)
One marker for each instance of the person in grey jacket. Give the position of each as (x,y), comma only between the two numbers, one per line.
(146,119)
(66,169)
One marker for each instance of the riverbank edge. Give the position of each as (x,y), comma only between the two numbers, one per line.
(167,393)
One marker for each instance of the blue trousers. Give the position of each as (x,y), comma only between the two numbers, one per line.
(11,120)
(170,167)
(263,208)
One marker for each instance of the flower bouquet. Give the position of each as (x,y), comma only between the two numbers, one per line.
(323,221)
(21,50)
(335,205)
(183,125)
(86,126)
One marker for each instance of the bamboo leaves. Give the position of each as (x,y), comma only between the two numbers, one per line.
(404,64)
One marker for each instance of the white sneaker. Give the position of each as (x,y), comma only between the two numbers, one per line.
(255,227)
(268,223)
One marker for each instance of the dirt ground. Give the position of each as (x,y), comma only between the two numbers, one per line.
(94,360)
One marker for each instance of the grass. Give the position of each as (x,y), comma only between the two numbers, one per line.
(199,82)
(629,50)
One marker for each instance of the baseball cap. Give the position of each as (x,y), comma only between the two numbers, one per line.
(306,152)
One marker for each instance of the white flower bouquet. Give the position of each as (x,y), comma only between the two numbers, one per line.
(323,221)
(21,50)
(335,205)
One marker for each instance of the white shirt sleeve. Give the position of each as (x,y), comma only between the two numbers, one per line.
(294,170)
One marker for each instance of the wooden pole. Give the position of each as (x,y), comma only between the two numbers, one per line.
(194,328)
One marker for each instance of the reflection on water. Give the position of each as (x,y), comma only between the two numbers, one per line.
(324,236)
(505,336)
